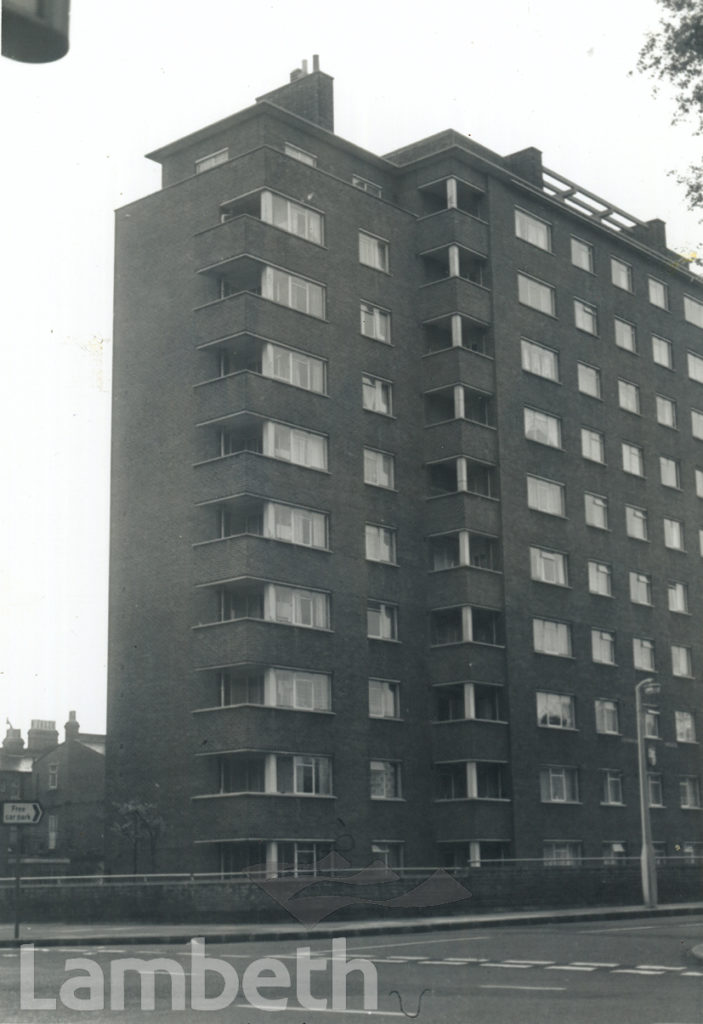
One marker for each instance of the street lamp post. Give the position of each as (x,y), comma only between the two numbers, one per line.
(647,861)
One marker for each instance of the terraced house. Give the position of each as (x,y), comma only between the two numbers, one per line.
(407,497)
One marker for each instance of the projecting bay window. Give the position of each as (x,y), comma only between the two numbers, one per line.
(451,550)
(462,474)
(274,602)
(465,625)
(295,292)
(284,774)
(295,689)
(292,444)
(466,701)
(292,217)
(278,362)
(278,521)
(471,780)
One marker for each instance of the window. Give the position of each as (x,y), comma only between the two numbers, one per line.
(52,831)
(376,394)
(533,230)
(295,525)
(699,482)
(632,459)
(690,792)
(621,274)
(551,637)
(582,254)
(296,607)
(681,661)
(204,163)
(700,542)
(614,853)
(685,727)
(677,594)
(658,293)
(385,780)
(548,566)
(375,322)
(592,445)
(536,294)
(603,646)
(596,510)
(607,717)
(313,775)
(466,624)
(556,711)
(651,724)
(295,445)
(367,186)
(292,291)
(53,777)
(673,534)
(695,366)
(611,791)
(545,496)
(461,701)
(292,688)
(662,353)
(585,317)
(693,310)
(666,411)
(294,368)
(669,472)
(588,380)
(697,423)
(562,853)
(373,252)
(640,588)
(292,217)
(537,359)
(379,468)
(600,579)
(628,396)
(559,785)
(654,790)
(381,621)
(384,698)
(692,852)
(390,854)
(643,654)
(543,428)
(625,336)
(380,544)
(299,154)
(636,522)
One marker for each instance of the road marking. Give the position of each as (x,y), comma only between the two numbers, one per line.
(442,963)
(529,988)
(570,967)
(517,967)
(464,959)
(691,974)
(415,942)
(632,928)
(635,970)
(591,963)
(658,967)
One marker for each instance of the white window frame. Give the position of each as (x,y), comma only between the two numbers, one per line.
(210,160)
(611,793)
(295,524)
(685,725)
(629,396)
(376,394)
(291,366)
(551,637)
(379,468)
(389,773)
(621,274)
(536,294)
(374,251)
(602,646)
(555,710)
(591,503)
(632,458)
(365,185)
(548,566)
(532,229)
(690,792)
(600,579)
(380,540)
(625,335)
(659,347)
(643,654)
(586,317)
(607,715)
(670,472)
(666,411)
(375,322)
(295,606)
(294,218)
(592,445)
(583,372)
(299,154)
(542,427)
(697,424)
(657,292)
(673,534)
(293,292)
(297,689)
(386,614)
(640,587)
(559,784)
(384,698)
(579,248)
(639,516)
(296,445)
(681,664)
(677,597)
(693,310)
(539,360)
(551,487)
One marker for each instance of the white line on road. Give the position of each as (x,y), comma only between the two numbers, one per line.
(530,963)
(591,963)
(529,988)
(636,970)
(570,967)
(516,967)
(441,963)
(658,967)
(633,928)
(691,974)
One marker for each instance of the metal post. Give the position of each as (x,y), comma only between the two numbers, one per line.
(647,859)
(18,858)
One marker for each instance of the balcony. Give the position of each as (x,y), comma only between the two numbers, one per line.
(458,510)
(444,296)
(462,474)
(245,555)
(263,815)
(450,261)
(249,598)
(247,234)
(467,624)
(457,332)
(459,402)
(248,432)
(255,473)
(233,641)
(451,193)
(446,226)
(454,821)
(461,436)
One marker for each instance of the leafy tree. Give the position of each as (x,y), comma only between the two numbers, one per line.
(139,823)
(674,55)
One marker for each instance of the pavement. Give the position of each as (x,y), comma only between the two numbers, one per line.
(137,933)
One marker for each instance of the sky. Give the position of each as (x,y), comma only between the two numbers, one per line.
(141,73)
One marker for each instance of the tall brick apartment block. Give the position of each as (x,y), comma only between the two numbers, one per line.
(407,497)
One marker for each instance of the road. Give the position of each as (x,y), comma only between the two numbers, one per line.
(614,972)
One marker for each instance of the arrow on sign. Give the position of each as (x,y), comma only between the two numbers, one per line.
(26,812)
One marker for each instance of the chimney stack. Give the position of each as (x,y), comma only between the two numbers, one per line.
(42,736)
(71,728)
(13,742)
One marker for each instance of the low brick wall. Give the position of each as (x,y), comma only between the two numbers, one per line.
(514,887)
